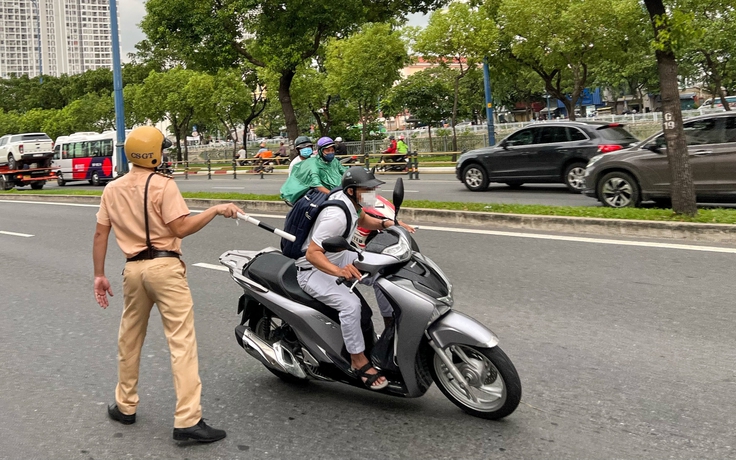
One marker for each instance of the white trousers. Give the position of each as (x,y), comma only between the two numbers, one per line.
(322,287)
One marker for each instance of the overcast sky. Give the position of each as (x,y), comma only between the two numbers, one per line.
(131,13)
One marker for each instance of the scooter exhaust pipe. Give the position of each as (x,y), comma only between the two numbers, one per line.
(257,347)
(276,356)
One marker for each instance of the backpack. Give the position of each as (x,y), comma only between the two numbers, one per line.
(303,215)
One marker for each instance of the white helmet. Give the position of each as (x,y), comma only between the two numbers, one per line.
(338,139)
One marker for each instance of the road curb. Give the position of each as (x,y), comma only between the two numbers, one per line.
(716,233)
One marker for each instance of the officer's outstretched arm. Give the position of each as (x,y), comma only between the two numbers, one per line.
(189,224)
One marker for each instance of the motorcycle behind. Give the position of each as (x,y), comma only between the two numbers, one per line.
(298,338)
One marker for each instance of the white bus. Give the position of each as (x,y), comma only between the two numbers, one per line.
(85,157)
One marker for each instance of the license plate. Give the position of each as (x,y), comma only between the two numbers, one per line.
(26,177)
(38,155)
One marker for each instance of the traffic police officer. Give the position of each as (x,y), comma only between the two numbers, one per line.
(150,217)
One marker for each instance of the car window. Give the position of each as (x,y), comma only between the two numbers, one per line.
(729,129)
(705,131)
(15,138)
(3,141)
(523,137)
(35,137)
(553,134)
(574,134)
(616,133)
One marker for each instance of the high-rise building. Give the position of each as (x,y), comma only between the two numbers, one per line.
(74,37)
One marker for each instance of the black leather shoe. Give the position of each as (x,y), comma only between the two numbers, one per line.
(115,414)
(200,432)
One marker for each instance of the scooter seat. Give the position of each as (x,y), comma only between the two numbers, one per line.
(277,272)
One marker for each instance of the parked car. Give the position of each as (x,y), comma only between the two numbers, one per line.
(542,153)
(628,177)
(17,150)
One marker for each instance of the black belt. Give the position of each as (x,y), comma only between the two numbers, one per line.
(155,254)
(302,269)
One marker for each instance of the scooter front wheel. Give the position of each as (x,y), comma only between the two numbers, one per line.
(491,387)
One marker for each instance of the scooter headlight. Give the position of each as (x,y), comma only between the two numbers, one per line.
(400,250)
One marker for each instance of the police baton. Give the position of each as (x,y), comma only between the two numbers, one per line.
(257,222)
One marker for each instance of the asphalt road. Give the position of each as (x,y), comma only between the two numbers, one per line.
(434,187)
(624,352)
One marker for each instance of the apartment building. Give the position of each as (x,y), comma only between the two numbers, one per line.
(54,37)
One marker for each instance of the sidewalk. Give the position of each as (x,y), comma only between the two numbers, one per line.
(714,233)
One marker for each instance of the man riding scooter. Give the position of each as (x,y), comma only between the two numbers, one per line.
(318,270)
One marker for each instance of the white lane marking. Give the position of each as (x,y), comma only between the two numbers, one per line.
(539,236)
(24,235)
(52,202)
(582,239)
(212,267)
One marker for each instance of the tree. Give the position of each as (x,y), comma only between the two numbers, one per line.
(712,45)
(428,95)
(233,103)
(363,67)
(176,95)
(671,30)
(278,35)
(561,40)
(459,35)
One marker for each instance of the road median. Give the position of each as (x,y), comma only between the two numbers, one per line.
(703,232)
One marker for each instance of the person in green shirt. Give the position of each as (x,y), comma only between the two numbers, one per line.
(321,172)
(401,147)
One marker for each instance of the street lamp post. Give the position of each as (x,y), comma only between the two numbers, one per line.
(489,103)
(117,81)
(38,30)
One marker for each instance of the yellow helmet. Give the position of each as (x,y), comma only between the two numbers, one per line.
(144,146)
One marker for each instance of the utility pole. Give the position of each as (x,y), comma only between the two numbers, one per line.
(489,103)
(38,30)
(117,81)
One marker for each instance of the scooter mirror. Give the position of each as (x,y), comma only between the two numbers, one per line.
(337,244)
(398,196)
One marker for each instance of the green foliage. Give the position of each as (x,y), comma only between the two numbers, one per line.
(362,68)
(428,95)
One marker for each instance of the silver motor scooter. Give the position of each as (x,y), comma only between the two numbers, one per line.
(298,338)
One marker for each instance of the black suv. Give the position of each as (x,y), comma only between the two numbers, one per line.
(542,153)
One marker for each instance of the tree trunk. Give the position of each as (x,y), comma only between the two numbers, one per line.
(454,109)
(177,135)
(682,191)
(429,131)
(292,128)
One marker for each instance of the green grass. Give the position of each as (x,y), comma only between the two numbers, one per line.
(710,216)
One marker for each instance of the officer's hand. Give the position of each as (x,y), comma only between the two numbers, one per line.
(228,210)
(102,288)
(349,272)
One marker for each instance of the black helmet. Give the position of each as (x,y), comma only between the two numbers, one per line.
(358,176)
(301,141)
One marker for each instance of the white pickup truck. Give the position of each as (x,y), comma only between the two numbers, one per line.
(17,150)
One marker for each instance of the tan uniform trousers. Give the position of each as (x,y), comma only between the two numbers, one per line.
(161,281)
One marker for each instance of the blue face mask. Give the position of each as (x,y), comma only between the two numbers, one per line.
(328,157)
(305,152)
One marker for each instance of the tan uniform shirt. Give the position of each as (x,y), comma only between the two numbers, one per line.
(122,208)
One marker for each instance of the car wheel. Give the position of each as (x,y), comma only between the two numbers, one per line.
(4,184)
(37,185)
(574,177)
(475,178)
(515,184)
(619,190)
(95,180)
(12,164)
(60,180)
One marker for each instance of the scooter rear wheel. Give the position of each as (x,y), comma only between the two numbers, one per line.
(495,387)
